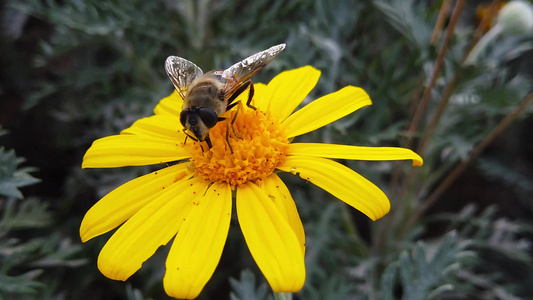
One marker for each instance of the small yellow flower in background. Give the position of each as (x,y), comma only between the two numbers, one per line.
(191,201)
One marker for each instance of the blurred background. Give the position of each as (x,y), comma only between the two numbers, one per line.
(460,227)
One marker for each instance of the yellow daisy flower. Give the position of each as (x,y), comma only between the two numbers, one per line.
(191,201)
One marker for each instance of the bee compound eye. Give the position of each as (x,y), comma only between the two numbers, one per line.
(208,116)
(183,116)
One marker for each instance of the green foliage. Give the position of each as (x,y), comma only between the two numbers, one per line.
(246,288)
(24,257)
(502,254)
(11,177)
(407,18)
(518,178)
(423,277)
(79,70)
(133,294)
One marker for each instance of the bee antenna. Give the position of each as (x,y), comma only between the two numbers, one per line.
(208,141)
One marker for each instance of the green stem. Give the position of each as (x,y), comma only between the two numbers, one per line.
(435,118)
(418,116)
(421,109)
(282,296)
(458,170)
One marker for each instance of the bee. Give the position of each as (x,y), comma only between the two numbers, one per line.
(206,97)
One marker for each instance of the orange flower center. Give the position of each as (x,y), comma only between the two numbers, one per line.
(259,145)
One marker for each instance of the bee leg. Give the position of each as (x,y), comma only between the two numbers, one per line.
(208,141)
(232,105)
(227,136)
(250,96)
(233,122)
(234,118)
(188,136)
(237,93)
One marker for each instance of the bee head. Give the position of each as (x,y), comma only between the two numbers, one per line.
(198,120)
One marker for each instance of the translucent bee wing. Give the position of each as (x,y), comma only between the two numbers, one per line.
(240,72)
(182,73)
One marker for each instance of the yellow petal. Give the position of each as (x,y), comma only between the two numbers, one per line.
(277,191)
(130,150)
(271,240)
(170,105)
(261,96)
(288,89)
(325,110)
(197,248)
(151,227)
(126,200)
(340,181)
(159,127)
(354,152)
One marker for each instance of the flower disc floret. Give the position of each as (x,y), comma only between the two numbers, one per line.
(259,145)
